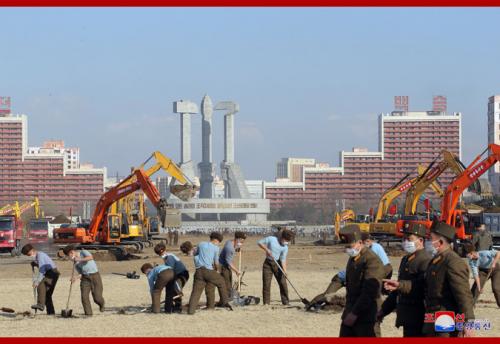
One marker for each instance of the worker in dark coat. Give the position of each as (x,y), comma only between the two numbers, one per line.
(407,293)
(364,274)
(482,239)
(447,282)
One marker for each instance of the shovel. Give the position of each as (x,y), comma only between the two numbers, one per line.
(130,275)
(304,301)
(35,298)
(68,313)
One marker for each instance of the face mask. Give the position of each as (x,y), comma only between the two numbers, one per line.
(368,245)
(409,246)
(164,255)
(285,243)
(429,247)
(352,252)
(239,244)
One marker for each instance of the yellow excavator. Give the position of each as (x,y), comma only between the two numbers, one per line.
(430,176)
(381,225)
(350,217)
(132,209)
(450,161)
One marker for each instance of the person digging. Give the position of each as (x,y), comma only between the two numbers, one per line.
(90,279)
(46,280)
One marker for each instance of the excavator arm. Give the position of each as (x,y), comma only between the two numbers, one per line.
(20,209)
(400,187)
(465,179)
(391,193)
(429,179)
(6,209)
(99,228)
(184,191)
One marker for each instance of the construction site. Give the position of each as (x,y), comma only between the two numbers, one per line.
(121,235)
(280,205)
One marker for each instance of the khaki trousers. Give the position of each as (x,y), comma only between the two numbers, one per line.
(163,279)
(46,288)
(91,284)
(270,269)
(205,279)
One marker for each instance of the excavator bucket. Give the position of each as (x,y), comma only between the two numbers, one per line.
(184,192)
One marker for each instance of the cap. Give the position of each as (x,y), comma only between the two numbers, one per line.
(469,247)
(350,234)
(365,236)
(418,229)
(444,230)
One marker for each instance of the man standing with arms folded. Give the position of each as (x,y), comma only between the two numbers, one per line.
(276,249)
(482,239)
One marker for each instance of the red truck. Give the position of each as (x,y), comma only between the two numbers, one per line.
(11,234)
(38,231)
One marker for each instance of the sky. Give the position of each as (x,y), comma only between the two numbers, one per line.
(310,82)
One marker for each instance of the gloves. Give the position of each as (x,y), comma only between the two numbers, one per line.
(34,264)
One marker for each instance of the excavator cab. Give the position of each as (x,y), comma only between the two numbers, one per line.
(114,226)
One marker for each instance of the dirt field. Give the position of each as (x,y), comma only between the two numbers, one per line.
(310,269)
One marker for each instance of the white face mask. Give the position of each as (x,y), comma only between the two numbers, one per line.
(409,246)
(239,244)
(352,252)
(429,247)
(285,243)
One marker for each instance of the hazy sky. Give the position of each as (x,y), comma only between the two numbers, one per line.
(310,82)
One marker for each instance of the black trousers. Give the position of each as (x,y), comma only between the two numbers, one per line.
(358,330)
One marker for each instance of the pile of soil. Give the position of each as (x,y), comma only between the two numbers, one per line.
(336,305)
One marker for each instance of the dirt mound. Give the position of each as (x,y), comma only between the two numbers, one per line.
(336,305)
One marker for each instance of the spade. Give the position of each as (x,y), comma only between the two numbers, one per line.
(304,301)
(68,313)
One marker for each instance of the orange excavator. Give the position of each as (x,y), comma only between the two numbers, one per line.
(450,213)
(449,162)
(384,226)
(104,229)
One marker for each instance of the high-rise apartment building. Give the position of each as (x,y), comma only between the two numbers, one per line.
(494,137)
(44,174)
(71,155)
(406,139)
(439,103)
(292,168)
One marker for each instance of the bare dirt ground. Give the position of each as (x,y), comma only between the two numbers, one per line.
(310,269)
